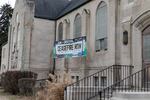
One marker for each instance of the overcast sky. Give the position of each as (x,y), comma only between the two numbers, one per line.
(11,2)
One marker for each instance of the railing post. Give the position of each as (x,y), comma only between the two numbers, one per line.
(100,95)
(65,93)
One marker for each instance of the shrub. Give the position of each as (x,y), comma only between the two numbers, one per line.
(54,90)
(10,80)
(26,86)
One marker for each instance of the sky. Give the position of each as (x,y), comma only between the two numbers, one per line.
(11,2)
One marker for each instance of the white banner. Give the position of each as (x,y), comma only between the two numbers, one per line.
(70,48)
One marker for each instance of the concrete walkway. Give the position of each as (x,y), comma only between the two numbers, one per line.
(131,96)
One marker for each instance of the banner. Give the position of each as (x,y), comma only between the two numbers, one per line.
(70,48)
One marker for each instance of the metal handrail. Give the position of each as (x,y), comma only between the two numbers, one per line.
(91,85)
(137,82)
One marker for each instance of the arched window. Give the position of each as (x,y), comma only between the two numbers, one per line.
(101,27)
(18,35)
(14,40)
(60,31)
(14,36)
(67,29)
(17,17)
(77,26)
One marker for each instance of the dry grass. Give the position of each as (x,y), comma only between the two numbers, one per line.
(54,90)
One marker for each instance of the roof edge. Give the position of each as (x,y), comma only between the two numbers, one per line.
(73,9)
(65,13)
(45,18)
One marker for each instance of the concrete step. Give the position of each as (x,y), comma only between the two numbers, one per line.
(131,96)
(107,96)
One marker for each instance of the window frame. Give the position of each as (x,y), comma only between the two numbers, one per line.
(60,32)
(77,25)
(130,1)
(103,81)
(103,40)
(96,81)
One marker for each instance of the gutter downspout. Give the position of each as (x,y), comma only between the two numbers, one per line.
(9,43)
(54,60)
(30,45)
(116,32)
(31,33)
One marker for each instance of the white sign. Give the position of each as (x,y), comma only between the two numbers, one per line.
(70,48)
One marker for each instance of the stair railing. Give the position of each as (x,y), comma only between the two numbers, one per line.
(90,86)
(137,82)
